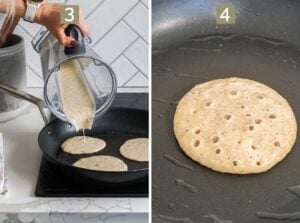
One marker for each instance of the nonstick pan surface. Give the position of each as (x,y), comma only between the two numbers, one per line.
(115,127)
(230,197)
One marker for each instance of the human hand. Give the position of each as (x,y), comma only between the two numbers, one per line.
(48,15)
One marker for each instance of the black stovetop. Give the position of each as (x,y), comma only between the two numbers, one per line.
(52,182)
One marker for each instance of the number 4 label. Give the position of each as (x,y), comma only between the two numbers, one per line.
(69,14)
(225,14)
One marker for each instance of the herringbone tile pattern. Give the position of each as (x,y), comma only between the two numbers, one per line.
(119,32)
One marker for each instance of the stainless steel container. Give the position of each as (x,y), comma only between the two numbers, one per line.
(12,72)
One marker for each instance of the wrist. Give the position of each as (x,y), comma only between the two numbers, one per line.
(20,8)
(39,15)
(33,11)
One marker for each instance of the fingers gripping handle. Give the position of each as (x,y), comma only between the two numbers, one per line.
(73,31)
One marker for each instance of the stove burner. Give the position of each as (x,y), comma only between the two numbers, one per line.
(52,182)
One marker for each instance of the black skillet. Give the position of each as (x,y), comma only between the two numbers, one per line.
(115,127)
(188,49)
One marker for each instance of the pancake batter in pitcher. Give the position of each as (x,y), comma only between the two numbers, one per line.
(78,104)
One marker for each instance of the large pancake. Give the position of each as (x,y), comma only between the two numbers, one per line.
(235,126)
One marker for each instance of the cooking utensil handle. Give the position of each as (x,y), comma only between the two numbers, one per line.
(25,96)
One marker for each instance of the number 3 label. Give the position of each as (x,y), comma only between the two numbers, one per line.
(69,14)
(225,14)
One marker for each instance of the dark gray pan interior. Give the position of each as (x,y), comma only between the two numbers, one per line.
(181,62)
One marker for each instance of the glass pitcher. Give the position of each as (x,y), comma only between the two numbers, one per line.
(98,76)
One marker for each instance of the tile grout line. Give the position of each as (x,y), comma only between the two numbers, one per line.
(93,10)
(27,65)
(145,76)
(134,30)
(134,65)
(28,33)
(145,42)
(144,4)
(111,28)
(114,60)
(130,78)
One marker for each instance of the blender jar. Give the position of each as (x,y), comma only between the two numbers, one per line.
(98,76)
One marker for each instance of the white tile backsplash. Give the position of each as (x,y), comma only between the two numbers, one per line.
(124,70)
(139,25)
(86,8)
(107,16)
(145,2)
(119,30)
(31,28)
(138,55)
(33,80)
(138,80)
(32,58)
(116,41)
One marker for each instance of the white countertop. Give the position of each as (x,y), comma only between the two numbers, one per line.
(23,157)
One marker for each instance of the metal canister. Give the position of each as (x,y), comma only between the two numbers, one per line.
(12,72)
